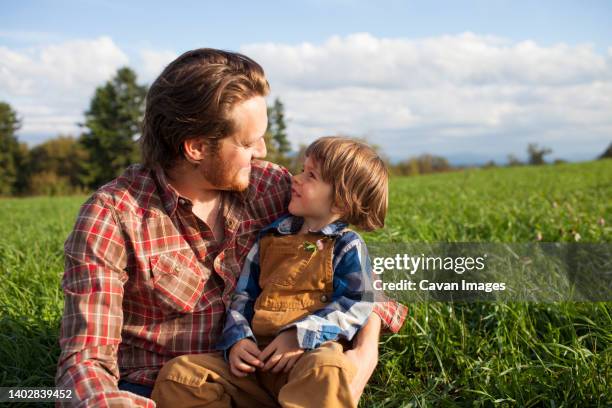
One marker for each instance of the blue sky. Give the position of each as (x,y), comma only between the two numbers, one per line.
(193,23)
(310,48)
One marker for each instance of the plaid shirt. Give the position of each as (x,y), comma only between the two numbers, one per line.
(145,280)
(351,301)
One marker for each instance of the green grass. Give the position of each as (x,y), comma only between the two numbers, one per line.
(503,205)
(477,354)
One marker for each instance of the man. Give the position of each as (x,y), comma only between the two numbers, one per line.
(155,254)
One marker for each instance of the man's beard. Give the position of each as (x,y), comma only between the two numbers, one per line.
(216,172)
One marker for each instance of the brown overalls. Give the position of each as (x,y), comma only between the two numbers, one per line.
(296,279)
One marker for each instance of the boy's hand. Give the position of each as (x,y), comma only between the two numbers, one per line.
(282,353)
(244,357)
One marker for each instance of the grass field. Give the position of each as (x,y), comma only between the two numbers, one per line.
(477,354)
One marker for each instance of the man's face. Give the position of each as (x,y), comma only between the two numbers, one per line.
(230,167)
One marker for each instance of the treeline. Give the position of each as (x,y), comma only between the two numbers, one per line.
(423,164)
(428,163)
(70,164)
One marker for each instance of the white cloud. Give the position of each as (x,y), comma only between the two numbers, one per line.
(450,90)
(444,94)
(50,86)
(154,62)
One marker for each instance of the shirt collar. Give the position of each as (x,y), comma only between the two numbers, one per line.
(291,224)
(169,196)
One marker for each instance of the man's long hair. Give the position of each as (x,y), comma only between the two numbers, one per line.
(193,97)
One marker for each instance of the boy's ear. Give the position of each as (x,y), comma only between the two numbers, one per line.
(195,150)
(338,209)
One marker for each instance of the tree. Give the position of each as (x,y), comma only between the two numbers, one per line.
(22,162)
(514,161)
(277,143)
(408,167)
(607,154)
(113,122)
(10,150)
(490,164)
(61,160)
(278,128)
(423,164)
(536,154)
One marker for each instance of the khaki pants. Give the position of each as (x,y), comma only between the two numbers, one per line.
(320,378)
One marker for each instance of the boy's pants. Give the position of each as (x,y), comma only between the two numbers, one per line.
(320,378)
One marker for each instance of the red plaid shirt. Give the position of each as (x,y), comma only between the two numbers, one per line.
(145,280)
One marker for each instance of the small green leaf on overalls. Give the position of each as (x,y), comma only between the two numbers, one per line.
(309,246)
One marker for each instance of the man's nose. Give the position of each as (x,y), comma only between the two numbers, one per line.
(261,151)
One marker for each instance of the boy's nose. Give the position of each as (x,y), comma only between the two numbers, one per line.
(296,179)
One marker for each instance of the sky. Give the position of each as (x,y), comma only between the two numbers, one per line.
(470,80)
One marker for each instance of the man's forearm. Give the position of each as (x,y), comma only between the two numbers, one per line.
(92,385)
(369,334)
(364,355)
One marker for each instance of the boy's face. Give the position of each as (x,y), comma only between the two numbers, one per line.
(311,197)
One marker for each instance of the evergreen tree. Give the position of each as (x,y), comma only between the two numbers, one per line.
(10,150)
(113,122)
(276,135)
(269,137)
(278,128)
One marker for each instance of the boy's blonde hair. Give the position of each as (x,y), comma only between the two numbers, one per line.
(358,176)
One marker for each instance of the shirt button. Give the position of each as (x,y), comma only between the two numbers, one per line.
(324,298)
(231,223)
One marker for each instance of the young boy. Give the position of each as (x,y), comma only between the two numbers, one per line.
(305,289)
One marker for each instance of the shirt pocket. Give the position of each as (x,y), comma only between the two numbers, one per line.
(177,285)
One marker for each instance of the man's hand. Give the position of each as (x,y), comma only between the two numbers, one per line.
(282,353)
(244,357)
(364,355)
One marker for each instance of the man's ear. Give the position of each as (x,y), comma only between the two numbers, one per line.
(194,149)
